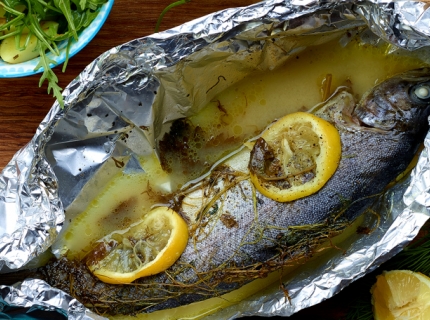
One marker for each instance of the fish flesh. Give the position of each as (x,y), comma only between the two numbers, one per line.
(237,234)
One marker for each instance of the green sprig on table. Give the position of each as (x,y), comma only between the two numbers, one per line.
(170,6)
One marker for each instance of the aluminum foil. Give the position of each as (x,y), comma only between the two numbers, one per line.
(127,98)
(35,294)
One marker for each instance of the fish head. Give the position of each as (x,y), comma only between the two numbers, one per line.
(399,104)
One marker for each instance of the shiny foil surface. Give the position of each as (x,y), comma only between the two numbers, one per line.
(73,150)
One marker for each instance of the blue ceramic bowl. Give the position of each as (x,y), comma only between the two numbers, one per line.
(26,68)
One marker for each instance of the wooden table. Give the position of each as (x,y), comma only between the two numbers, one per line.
(23,104)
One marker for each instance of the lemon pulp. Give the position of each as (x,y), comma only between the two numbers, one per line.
(401,294)
(145,249)
(295,157)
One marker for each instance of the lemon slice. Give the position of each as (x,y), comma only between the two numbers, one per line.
(295,157)
(145,249)
(401,294)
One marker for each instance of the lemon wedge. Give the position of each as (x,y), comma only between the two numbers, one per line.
(295,157)
(145,249)
(401,294)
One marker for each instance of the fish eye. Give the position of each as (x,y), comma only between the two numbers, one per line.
(421,92)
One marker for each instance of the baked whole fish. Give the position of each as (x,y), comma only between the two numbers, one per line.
(237,234)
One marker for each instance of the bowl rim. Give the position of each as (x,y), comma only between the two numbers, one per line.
(26,68)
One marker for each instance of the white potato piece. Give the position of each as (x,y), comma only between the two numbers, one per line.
(45,25)
(12,29)
(9,53)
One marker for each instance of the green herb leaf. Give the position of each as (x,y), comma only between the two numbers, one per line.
(82,3)
(49,75)
(36,9)
(64,6)
(71,16)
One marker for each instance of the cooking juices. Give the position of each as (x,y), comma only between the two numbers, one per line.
(237,114)
(246,108)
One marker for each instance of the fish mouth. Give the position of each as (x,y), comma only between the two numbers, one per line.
(396,103)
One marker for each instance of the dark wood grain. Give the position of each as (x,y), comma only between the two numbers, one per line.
(23,104)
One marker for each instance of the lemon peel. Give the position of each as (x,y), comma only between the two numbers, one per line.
(295,157)
(145,249)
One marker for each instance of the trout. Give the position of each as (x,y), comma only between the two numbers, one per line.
(237,234)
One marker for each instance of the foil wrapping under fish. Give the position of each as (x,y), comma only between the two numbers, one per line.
(35,294)
(137,89)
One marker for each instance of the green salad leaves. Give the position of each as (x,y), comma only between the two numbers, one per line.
(49,22)
(23,19)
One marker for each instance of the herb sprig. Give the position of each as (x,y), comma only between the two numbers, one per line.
(170,6)
(71,15)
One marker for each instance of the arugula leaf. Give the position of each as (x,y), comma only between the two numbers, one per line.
(88,4)
(35,28)
(71,15)
(9,8)
(49,75)
(37,8)
(84,19)
(64,6)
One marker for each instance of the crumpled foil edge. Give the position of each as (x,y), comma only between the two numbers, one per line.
(29,185)
(37,294)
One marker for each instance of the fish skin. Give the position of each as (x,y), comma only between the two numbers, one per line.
(379,137)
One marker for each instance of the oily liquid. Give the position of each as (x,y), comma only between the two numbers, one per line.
(234,116)
(119,205)
(246,108)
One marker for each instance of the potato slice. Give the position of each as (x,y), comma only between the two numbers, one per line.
(11,54)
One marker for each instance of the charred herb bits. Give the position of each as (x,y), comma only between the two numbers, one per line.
(295,157)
